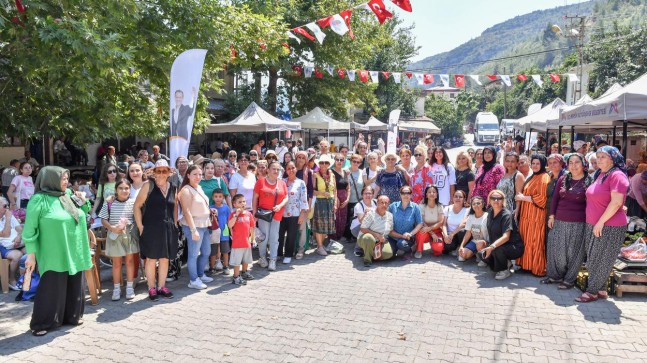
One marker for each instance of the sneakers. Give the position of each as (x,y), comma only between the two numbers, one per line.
(238,281)
(13,287)
(461,259)
(197,284)
(418,254)
(287,260)
(299,255)
(165,292)
(210,272)
(262,262)
(272,265)
(219,265)
(482,264)
(399,253)
(130,293)
(246,275)
(152,294)
(321,251)
(225,270)
(116,294)
(502,275)
(358,251)
(367,263)
(454,253)
(206,278)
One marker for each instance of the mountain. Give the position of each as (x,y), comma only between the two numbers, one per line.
(528,40)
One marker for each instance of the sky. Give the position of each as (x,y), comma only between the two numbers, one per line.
(442,25)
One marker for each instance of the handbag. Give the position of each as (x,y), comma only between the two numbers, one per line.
(267,214)
(377,251)
(214,220)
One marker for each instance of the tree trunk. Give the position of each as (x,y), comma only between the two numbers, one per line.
(272,91)
(257,87)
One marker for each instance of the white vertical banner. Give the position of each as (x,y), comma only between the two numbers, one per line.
(392,138)
(186,74)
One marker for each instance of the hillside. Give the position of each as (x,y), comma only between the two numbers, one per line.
(530,33)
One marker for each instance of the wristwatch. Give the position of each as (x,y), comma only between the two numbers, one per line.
(193,230)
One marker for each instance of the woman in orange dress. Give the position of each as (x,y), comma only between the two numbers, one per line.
(532,219)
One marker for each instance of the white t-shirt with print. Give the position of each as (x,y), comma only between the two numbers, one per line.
(443,180)
(478,227)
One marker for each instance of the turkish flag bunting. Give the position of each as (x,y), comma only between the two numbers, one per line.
(380,10)
(285,45)
(428,79)
(363,76)
(262,44)
(522,77)
(20,6)
(304,33)
(554,77)
(459,79)
(346,14)
(298,70)
(409,74)
(325,22)
(492,77)
(386,75)
(318,73)
(403,4)
(341,73)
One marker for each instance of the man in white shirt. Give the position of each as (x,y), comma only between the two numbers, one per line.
(281,150)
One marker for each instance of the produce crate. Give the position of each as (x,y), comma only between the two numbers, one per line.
(582,281)
(630,281)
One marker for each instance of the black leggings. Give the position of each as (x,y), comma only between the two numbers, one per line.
(456,242)
(59,300)
(291,226)
(498,259)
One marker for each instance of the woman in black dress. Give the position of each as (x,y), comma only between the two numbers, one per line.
(343,196)
(156,217)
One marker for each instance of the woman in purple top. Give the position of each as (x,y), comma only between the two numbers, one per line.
(567,221)
(489,174)
(606,221)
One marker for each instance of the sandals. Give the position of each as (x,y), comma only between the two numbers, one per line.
(565,286)
(39,333)
(586,298)
(603,295)
(548,281)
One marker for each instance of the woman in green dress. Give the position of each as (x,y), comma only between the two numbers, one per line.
(56,237)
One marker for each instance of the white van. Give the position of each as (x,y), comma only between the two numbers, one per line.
(507,127)
(486,128)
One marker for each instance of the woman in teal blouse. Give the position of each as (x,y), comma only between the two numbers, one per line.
(55,235)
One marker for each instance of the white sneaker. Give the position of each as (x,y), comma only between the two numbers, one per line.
(206,278)
(454,253)
(418,254)
(130,293)
(482,264)
(218,265)
(262,262)
(461,259)
(502,275)
(287,260)
(321,251)
(116,294)
(272,265)
(197,284)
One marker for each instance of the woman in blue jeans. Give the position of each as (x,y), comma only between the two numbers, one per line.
(195,222)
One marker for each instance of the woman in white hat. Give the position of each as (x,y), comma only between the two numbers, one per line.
(390,180)
(323,222)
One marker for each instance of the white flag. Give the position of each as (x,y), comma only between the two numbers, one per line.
(291,35)
(316,31)
(419,77)
(537,79)
(338,25)
(351,75)
(307,71)
(445,79)
(396,77)
(374,76)
(572,77)
(330,70)
(475,78)
(506,79)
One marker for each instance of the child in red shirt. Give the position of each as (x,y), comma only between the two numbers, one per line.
(241,224)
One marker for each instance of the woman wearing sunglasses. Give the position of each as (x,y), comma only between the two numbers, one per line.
(323,222)
(107,181)
(476,235)
(343,195)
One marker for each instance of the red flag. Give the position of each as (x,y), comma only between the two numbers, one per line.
(325,22)
(522,77)
(262,44)
(304,33)
(403,4)
(409,74)
(459,79)
(554,77)
(428,79)
(318,73)
(233,52)
(341,73)
(20,6)
(363,76)
(298,70)
(386,75)
(285,45)
(492,77)
(346,14)
(380,10)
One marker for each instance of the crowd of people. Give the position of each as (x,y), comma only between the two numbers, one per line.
(546,215)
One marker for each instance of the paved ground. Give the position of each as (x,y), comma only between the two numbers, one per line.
(334,309)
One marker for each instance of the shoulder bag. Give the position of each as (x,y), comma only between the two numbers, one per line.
(267,214)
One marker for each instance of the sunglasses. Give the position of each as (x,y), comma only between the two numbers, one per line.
(253,154)
(356,162)
(243,161)
(112,171)
(418,155)
(405,193)
(496,198)
(477,203)
(324,162)
(341,160)
(161,171)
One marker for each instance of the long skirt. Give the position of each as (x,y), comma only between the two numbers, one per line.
(59,300)
(601,254)
(341,215)
(323,221)
(565,251)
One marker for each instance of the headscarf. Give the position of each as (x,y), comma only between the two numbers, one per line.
(588,180)
(542,163)
(618,162)
(48,182)
(487,165)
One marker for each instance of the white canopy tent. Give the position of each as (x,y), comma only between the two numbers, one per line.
(316,119)
(537,121)
(372,124)
(553,120)
(254,119)
(420,124)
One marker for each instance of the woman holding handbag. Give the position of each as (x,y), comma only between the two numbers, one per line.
(270,198)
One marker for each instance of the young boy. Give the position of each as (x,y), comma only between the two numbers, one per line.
(241,224)
(220,246)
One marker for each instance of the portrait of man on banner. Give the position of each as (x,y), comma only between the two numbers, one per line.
(181,113)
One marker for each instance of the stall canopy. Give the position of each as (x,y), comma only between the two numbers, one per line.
(372,124)
(316,119)
(254,119)
(537,121)
(418,124)
(627,103)
(553,120)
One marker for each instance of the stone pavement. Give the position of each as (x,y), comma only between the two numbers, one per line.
(334,309)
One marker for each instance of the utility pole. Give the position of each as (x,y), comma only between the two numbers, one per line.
(576,30)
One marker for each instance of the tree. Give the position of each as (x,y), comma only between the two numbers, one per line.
(445,115)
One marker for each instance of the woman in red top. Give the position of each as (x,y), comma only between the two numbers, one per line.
(270,193)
